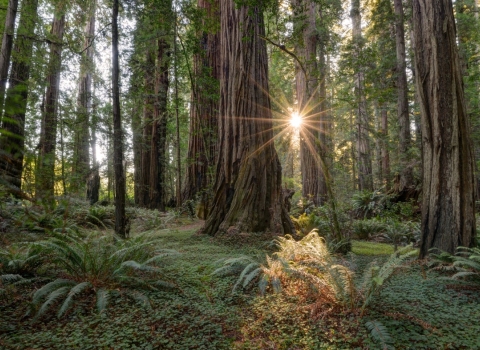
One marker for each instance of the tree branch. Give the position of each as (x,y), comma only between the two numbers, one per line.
(283,48)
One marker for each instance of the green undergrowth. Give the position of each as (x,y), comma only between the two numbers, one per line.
(371,248)
(419,310)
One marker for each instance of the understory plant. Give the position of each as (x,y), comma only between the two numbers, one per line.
(19,265)
(309,265)
(98,267)
(465,263)
(307,268)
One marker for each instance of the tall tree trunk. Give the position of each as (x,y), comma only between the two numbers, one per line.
(309,101)
(177,119)
(137,144)
(406,173)
(93,180)
(158,145)
(45,179)
(248,195)
(120,187)
(469,47)
(203,114)
(448,205)
(81,161)
(365,178)
(6,49)
(148,120)
(13,124)
(384,154)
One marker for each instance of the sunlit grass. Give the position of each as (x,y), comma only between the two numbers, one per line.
(371,248)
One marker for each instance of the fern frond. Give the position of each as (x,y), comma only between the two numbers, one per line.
(141,299)
(251,276)
(49,288)
(160,256)
(51,299)
(103,297)
(263,284)
(380,334)
(376,276)
(79,288)
(466,263)
(163,284)
(276,284)
(232,266)
(10,278)
(26,281)
(245,271)
(463,274)
(135,266)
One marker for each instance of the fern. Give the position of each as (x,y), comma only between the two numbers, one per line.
(380,334)
(247,271)
(466,263)
(310,262)
(88,265)
(10,278)
(51,299)
(103,296)
(140,298)
(79,288)
(40,294)
(375,276)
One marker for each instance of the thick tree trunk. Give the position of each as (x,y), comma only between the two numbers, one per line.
(81,160)
(6,49)
(45,179)
(469,47)
(248,195)
(13,123)
(158,144)
(406,173)
(448,215)
(365,178)
(120,188)
(203,115)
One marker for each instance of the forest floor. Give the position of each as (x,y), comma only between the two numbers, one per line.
(419,309)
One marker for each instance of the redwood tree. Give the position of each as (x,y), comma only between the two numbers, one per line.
(45,177)
(406,172)
(81,160)
(203,111)
(248,180)
(6,49)
(365,178)
(13,123)
(158,142)
(120,189)
(448,204)
(308,83)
